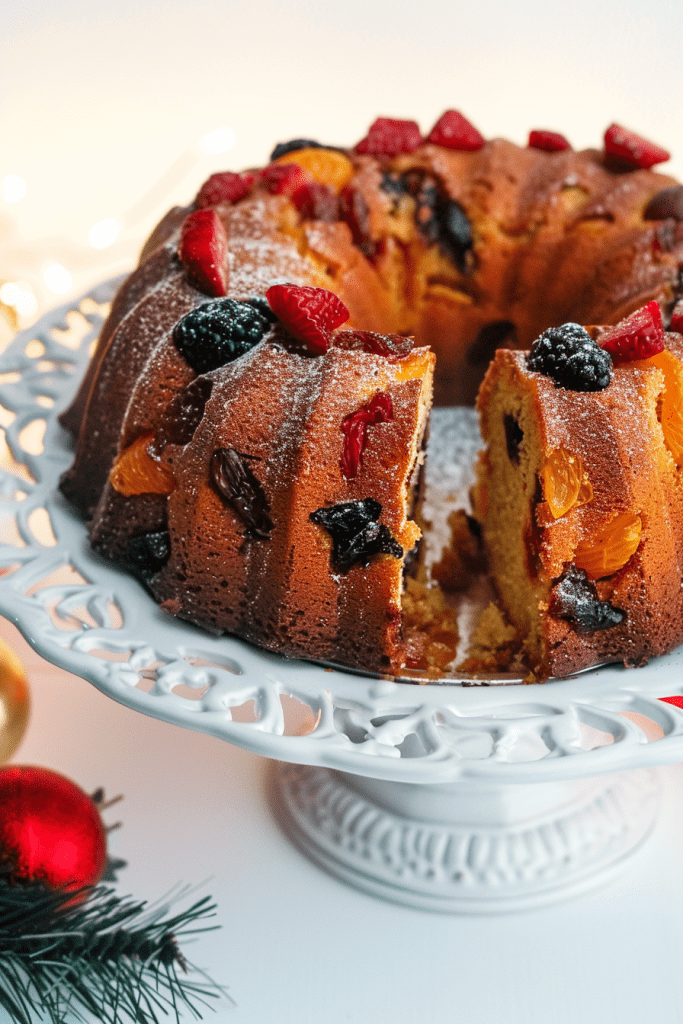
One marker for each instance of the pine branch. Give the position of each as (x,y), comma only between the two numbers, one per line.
(99,953)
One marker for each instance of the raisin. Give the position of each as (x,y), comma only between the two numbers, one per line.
(293,146)
(575,598)
(489,338)
(219,332)
(356,534)
(234,481)
(149,552)
(514,435)
(456,235)
(666,204)
(395,186)
(182,416)
(571,358)
(316,202)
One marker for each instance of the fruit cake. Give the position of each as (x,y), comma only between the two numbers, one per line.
(250,431)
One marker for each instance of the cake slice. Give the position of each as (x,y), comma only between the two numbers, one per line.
(579,494)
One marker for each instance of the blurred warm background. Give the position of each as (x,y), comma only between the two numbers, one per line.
(108,113)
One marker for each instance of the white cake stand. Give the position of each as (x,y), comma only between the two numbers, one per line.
(446,796)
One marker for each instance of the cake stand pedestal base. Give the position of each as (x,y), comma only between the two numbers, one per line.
(468,847)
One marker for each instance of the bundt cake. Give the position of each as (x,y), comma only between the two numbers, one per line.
(252,425)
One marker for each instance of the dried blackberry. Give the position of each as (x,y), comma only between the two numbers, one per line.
(234,481)
(293,146)
(514,435)
(356,534)
(261,305)
(219,332)
(571,358)
(355,211)
(575,598)
(149,552)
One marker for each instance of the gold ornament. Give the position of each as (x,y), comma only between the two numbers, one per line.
(14,702)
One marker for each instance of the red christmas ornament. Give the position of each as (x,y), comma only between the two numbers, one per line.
(50,830)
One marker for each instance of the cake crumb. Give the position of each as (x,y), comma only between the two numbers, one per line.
(493,644)
(431,628)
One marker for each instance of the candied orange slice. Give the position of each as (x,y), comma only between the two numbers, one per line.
(136,472)
(610,549)
(324,165)
(671,409)
(565,483)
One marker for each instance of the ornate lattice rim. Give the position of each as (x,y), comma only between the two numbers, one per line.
(86,616)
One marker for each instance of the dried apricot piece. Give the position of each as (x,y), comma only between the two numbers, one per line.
(565,483)
(611,547)
(136,472)
(671,407)
(325,166)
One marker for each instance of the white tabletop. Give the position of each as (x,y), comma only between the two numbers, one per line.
(298,947)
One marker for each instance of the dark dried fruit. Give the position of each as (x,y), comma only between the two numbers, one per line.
(388,136)
(356,534)
(234,481)
(316,202)
(261,304)
(666,204)
(203,251)
(497,334)
(549,142)
(355,429)
(453,131)
(182,416)
(218,332)
(308,313)
(355,211)
(514,435)
(224,187)
(394,185)
(631,150)
(391,346)
(148,553)
(575,598)
(639,336)
(456,235)
(293,146)
(571,358)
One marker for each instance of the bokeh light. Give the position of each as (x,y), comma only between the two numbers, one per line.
(104,233)
(57,278)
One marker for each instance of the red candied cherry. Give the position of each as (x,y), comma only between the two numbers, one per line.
(639,336)
(549,142)
(632,149)
(203,251)
(392,346)
(283,179)
(308,313)
(388,136)
(453,131)
(677,318)
(355,427)
(224,187)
